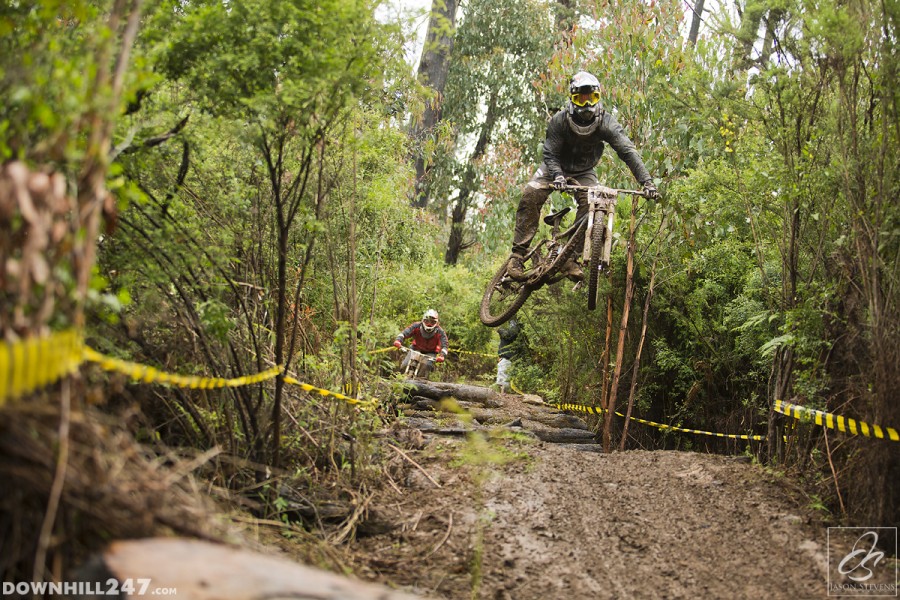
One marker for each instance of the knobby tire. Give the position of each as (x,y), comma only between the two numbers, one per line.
(501,285)
(598,240)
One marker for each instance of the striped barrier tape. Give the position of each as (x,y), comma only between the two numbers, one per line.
(600,411)
(150,375)
(458,351)
(366,404)
(147,374)
(846,425)
(33,363)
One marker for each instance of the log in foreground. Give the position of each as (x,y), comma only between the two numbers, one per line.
(203,571)
(462,392)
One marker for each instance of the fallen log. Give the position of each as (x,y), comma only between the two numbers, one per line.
(438,390)
(564,436)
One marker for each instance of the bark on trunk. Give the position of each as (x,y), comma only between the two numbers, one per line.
(434,66)
(695,21)
(455,244)
(620,348)
(198,569)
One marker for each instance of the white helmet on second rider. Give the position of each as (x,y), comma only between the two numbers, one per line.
(429,320)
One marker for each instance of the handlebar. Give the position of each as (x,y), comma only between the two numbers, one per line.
(601,188)
(406,349)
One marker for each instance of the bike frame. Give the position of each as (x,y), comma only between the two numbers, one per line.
(417,360)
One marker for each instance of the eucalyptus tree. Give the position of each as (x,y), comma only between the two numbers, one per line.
(434,65)
(829,108)
(501,47)
(799,189)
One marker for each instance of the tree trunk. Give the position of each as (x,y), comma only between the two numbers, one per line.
(637,356)
(434,66)
(620,348)
(200,569)
(352,300)
(695,21)
(455,244)
(604,358)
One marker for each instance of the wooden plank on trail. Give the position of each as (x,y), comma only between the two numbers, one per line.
(204,571)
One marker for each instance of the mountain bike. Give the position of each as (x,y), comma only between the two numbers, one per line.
(547,260)
(416,364)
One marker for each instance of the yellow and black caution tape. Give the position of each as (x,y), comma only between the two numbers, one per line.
(832,421)
(30,364)
(148,374)
(600,411)
(322,392)
(459,351)
(33,363)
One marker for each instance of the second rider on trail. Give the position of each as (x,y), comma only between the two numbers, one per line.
(428,337)
(573,146)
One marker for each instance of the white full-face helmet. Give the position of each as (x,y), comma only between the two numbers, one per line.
(584,98)
(430,320)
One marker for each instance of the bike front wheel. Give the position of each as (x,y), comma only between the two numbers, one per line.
(598,240)
(502,298)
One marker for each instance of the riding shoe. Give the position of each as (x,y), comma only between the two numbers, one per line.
(516,268)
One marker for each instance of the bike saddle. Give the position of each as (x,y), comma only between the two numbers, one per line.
(557,216)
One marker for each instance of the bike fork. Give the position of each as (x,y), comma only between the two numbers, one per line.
(598,208)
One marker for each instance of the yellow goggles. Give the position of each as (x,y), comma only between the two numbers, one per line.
(589,99)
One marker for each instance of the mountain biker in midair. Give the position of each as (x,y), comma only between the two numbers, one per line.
(573,145)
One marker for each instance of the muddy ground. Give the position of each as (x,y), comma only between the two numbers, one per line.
(503,515)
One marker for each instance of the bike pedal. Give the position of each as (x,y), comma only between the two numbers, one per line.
(577,286)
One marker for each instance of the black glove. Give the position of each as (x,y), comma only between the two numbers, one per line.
(558,183)
(650,191)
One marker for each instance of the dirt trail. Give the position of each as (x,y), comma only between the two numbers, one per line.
(518,518)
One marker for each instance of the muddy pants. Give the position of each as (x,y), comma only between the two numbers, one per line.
(534,195)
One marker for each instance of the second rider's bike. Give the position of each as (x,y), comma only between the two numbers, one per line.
(547,260)
(416,365)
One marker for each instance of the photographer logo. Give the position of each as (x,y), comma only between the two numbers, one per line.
(858,565)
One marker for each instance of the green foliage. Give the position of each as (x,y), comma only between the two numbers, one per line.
(50,57)
(280,64)
(499,49)
(262,172)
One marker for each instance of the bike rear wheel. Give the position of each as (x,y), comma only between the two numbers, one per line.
(598,239)
(502,298)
